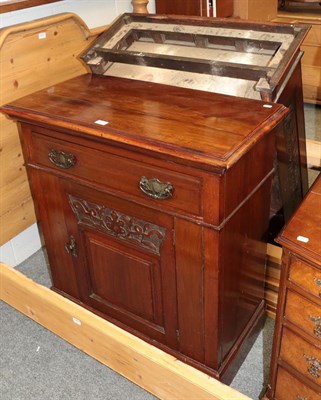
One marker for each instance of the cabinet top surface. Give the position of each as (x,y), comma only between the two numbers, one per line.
(181,123)
(303,232)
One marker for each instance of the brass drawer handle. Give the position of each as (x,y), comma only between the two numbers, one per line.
(61,159)
(315,366)
(155,188)
(298,397)
(317,322)
(318,282)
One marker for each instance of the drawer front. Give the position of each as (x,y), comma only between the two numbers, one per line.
(306,276)
(289,387)
(158,186)
(304,314)
(301,355)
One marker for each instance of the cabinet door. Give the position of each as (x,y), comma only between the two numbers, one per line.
(125,261)
(50,210)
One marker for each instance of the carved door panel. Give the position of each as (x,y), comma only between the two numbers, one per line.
(125,261)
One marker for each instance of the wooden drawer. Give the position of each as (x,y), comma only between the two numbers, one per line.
(306,276)
(301,355)
(290,388)
(118,174)
(304,314)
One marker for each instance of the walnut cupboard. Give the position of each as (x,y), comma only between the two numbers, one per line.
(154,209)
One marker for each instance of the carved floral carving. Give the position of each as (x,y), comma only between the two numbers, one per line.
(117,224)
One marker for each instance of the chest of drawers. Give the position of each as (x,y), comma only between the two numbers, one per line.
(154,203)
(296,361)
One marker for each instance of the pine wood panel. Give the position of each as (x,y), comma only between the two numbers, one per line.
(311,70)
(272,279)
(22,215)
(314,153)
(311,84)
(33,55)
(150,368)
(311,61)
(312,56)
(263,10)
(314,36)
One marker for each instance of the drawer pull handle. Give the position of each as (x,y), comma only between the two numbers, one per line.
(155,188)
(317,281)
(301,398)
(71,247)
(317,322)
(61,159)
(315,366)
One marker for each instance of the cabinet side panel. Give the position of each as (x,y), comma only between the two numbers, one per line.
(243,268)
(190,286)
(211,297)
(250,170)
(292,145)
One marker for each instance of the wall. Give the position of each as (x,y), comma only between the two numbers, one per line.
(94,13)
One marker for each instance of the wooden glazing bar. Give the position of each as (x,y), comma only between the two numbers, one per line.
(210,22)
(110,32)
(202,40)
(283,66)
(185,64)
